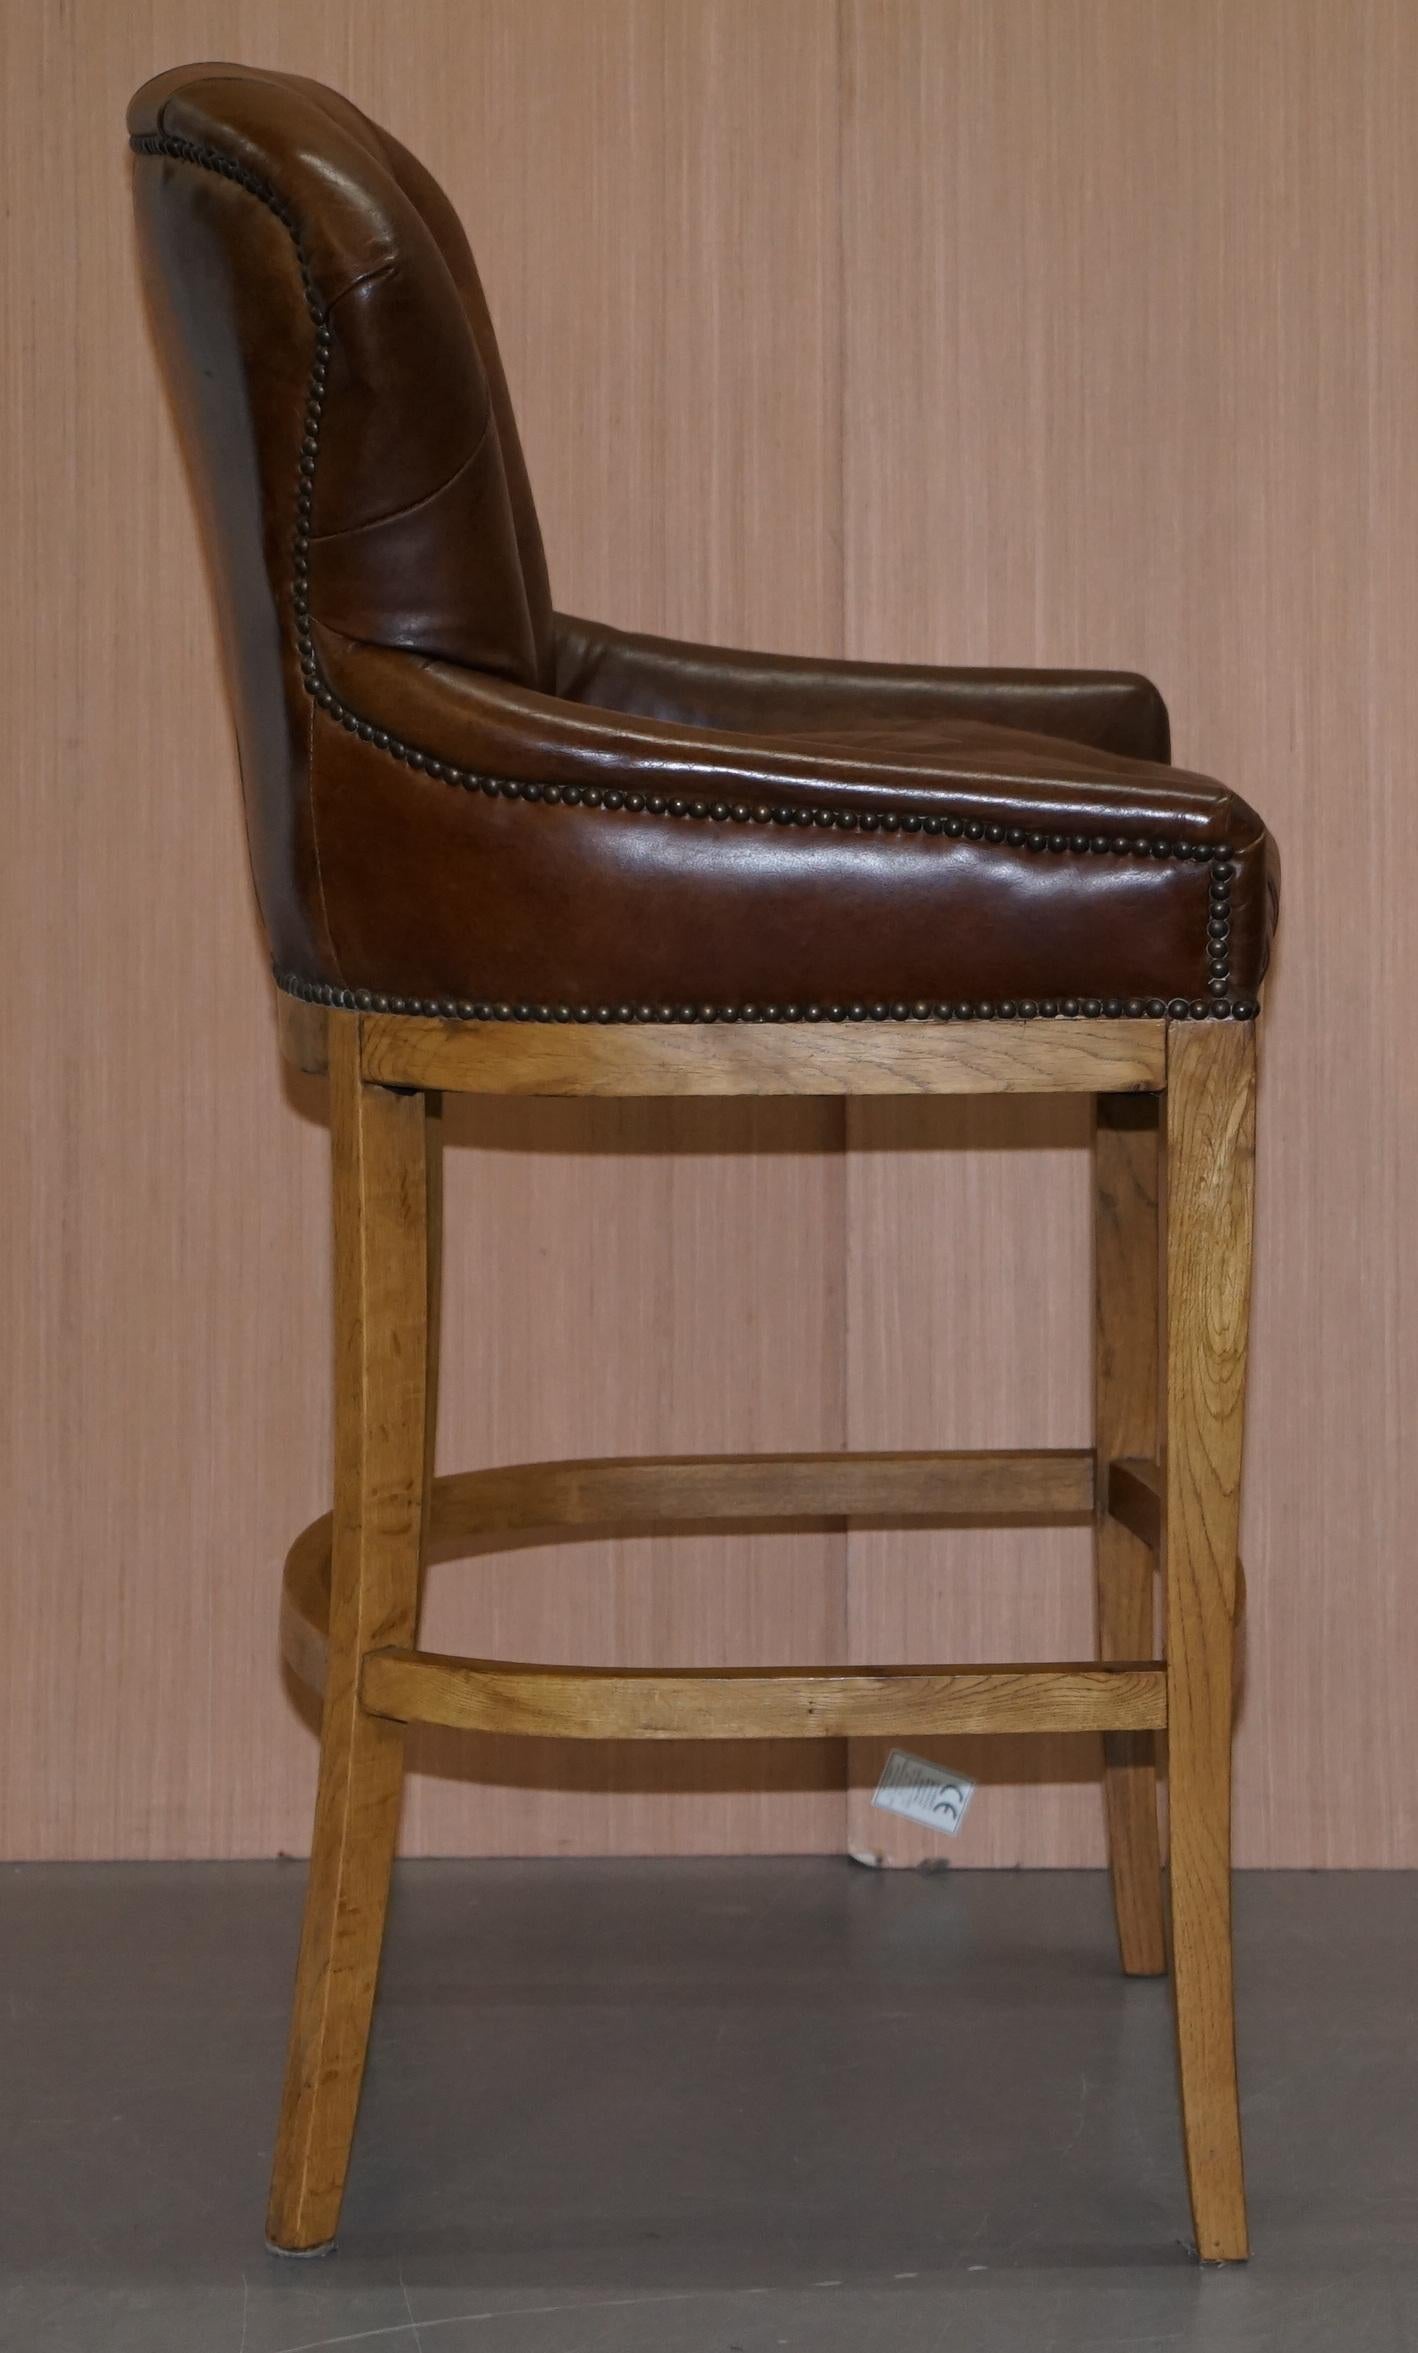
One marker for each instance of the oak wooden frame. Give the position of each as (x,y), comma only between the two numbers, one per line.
(1173,1217)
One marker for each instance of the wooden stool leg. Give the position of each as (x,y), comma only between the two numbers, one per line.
(433,1279)
(1126,1385)
(382,1296)
(1210,1192)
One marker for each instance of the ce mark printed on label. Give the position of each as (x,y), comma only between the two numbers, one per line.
(923,1792)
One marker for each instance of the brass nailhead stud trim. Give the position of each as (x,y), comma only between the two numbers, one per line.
(319,992)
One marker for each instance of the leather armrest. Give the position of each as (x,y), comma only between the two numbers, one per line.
(714,686)
(488,726)
(480,841)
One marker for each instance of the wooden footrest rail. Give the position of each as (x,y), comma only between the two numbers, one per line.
(1035,1488)
(477,1695)
(658,1491)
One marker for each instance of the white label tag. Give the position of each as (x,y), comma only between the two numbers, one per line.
(923,1792)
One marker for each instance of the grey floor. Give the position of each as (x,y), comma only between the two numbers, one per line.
(700,2107)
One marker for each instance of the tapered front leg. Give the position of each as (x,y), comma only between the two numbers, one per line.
(382,1384)
(1127,1317)
(1210,1125)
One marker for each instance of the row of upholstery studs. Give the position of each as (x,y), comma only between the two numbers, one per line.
(653,804)
(574,796)
(313,992)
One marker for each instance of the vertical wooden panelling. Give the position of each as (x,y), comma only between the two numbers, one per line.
(1137,390)
(968,1325)
(651,192)
(166,1253)
(1062,330)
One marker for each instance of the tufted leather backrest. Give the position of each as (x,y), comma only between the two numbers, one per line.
(310,283)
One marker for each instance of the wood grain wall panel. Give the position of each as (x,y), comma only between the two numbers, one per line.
(654,188)
(650,191)
(967,1318)
(162,1439)
(1052,331)
(1137,390)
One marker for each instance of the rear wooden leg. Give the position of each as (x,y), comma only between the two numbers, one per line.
(433,1293)
(382,1383)
(1126,1385)
(1210,1125)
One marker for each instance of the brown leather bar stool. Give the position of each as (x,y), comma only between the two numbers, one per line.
(505,852)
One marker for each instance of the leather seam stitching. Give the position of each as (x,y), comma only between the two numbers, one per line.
(323,539)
